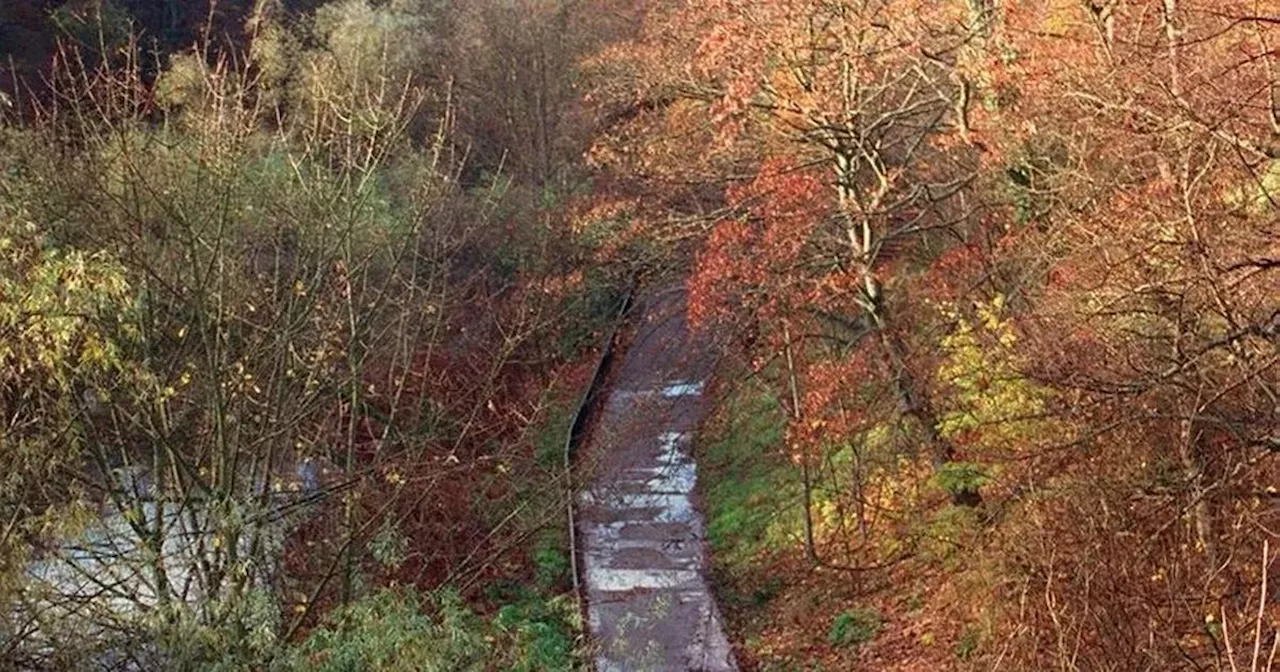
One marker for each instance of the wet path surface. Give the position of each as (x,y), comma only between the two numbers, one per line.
(641,534)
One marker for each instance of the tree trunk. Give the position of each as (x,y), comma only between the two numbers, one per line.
(864,247)
(913,402)
(1193,473)
(810,550)
(859,490)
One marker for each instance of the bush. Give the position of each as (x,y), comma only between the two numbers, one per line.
(390,632)
(550,560)
(541,634)
(588,312)
(961,477)
(854,628)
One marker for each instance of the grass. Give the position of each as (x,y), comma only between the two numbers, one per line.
(749,492)
(750,496)
(786,614)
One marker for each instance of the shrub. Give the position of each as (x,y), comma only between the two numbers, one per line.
(854,628)
(389,631)
(551,562)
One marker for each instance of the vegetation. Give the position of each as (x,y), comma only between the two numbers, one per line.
(297,298)
(852,628)
(265,322)
(1010,270)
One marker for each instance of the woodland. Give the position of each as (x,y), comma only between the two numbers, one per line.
(299,300)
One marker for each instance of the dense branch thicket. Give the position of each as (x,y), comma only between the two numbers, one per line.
(1006,270)
(287,348)
(294,296)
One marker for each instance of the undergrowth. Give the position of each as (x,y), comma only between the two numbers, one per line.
(748,487)
(402,631)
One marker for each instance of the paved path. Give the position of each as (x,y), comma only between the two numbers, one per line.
(641,535)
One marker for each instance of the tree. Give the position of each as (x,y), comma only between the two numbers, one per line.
(1150,252)
(289,338)
(221,359)
(1040,231)
(867,92)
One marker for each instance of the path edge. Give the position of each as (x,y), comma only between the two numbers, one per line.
(573,439)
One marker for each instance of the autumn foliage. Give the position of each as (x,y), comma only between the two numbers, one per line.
(998,283)
(1025,253)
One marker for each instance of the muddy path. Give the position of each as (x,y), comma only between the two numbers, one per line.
(640,533)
